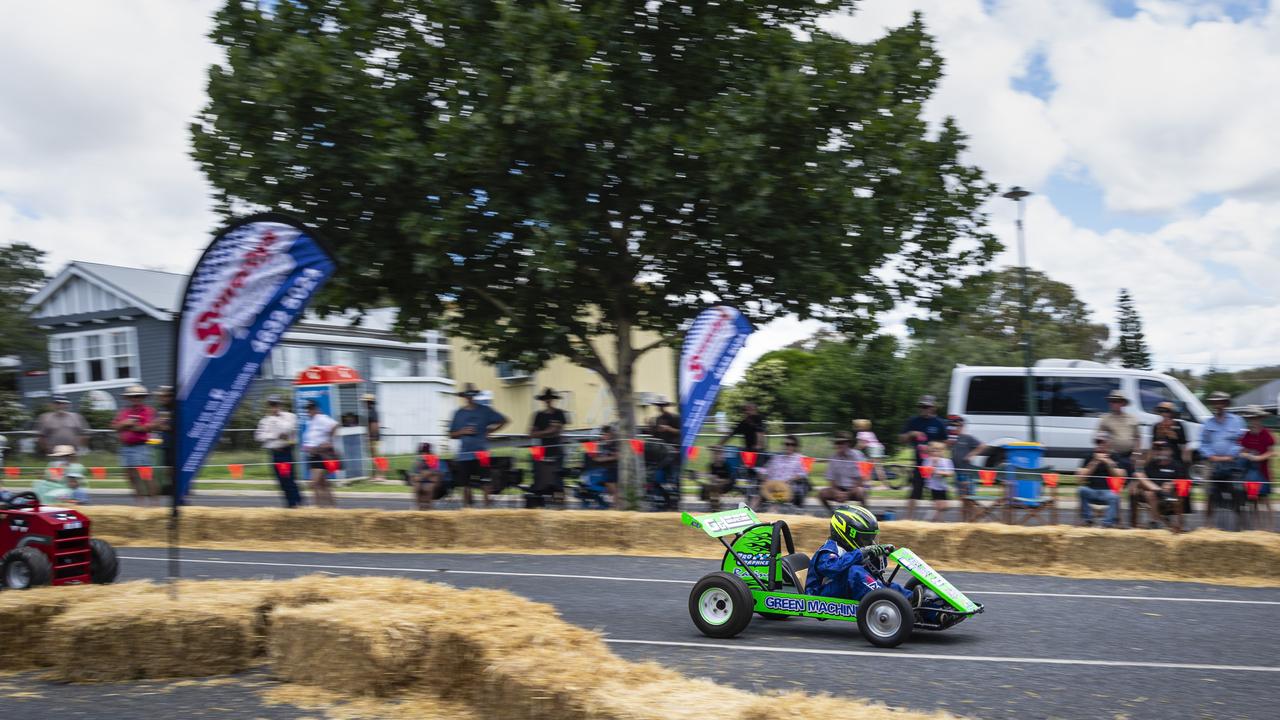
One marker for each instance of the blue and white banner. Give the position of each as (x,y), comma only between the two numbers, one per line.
(713,341)
(253,281)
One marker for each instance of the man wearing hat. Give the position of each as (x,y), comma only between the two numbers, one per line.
(133,428)
(61,426)
(1220,437)
(547,427)
(665,428)
(373,426)
(1169,429)
(63,478)
(919,431)
(277,433)
(471,426)
(1122,428)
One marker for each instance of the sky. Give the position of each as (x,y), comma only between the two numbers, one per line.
(1144,128)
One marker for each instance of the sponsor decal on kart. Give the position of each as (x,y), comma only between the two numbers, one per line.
(933,580)
(815,607)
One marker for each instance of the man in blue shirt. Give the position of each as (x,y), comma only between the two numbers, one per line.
(472,424)
(1220,444)
(919,431)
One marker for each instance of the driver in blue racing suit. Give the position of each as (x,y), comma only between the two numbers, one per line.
(840,567)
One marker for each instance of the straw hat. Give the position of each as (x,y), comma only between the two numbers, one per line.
(1218,396)
(63,451)
(135,391)
(1117,396)
(1254,411)
(368,397)
(775,491)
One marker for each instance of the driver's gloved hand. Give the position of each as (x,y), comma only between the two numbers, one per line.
(877,551)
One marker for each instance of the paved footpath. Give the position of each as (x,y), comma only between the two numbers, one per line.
(1046,647)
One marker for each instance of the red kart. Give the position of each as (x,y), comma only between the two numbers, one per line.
(47,545)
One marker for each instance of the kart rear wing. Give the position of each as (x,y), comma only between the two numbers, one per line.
(727,522)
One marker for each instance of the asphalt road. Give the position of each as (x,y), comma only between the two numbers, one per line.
(1046,647)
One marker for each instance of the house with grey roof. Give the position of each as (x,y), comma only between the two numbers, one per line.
(1266,395)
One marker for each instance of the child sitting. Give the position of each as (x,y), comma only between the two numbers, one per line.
(846,565)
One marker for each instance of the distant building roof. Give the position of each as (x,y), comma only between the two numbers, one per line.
(1264,395)
(156,288)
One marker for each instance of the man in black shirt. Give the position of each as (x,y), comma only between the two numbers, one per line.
(1096,490)
(1156,485)
(750,427)
(665,428)
(548,424)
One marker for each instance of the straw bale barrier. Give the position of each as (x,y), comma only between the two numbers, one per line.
(441,650)
(1251,558)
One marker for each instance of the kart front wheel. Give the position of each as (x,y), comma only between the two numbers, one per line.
(885,618)
(25,567)
(721,605)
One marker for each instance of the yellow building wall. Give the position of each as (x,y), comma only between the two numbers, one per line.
(586,399)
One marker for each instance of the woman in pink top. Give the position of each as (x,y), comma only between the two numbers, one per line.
(133,427)
(1256,447)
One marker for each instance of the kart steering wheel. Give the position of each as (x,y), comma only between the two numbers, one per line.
(23,499)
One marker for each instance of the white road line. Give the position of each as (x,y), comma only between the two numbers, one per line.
(612,578)
(897,655)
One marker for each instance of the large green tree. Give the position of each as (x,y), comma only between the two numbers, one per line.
(1131,347)
(978,322)
(546,173)
(20,277)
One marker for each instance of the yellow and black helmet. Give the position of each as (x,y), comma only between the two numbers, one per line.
(853,526)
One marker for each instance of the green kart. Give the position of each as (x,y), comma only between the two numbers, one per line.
(760,574)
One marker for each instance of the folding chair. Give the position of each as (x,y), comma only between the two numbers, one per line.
(1027,496)
(981,506)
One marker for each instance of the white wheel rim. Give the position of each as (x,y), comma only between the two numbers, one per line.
(715,606)
(883,619)
(18,576)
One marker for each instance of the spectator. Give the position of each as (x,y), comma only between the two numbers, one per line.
(472,424)
(1256,445)
(1155,485)
(665,427)
(751,427)
(373,426)
(547,427)
(76,492)
(317,443)
(845,482)
(964,448)
(162,429)
(277,433)
(868,443)
(919,431)
(428,483)
(788,467)
(61,426)
(601,469)
(720,478)
(1096,490)
(54,488)
(1220,444)
(1122,430)
(132,425)
(943,471)
(1170,429)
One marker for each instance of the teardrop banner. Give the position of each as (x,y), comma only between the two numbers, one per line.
(713,341)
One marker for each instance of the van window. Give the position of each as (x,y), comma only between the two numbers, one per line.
(1154,392)
(997,395)
(1081,396)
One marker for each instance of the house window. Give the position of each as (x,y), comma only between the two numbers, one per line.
(392,367)
(98,357)
(350,358)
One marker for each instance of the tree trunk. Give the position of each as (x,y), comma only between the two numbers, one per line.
(630,468)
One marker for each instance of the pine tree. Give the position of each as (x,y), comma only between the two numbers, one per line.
(1132,346)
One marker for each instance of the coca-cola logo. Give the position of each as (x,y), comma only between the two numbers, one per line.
(209,327)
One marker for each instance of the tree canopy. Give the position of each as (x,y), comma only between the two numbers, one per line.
(20,277)
(538,174)
(1131,347)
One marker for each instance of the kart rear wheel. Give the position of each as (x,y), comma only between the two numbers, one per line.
(25,567)
(103,565)
(721,605)
(885,618)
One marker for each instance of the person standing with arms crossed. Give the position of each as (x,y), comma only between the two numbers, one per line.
(277,432)
(472,424)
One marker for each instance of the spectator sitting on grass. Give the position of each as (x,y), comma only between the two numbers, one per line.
(788,467)
(1155,485)
(719,478)
(54,487)
(427,482)
(1095,490)
(602,465)
(845,482)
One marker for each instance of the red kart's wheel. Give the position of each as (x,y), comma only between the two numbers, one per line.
(103,565)
(25,567)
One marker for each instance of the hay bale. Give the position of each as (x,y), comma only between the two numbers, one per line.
(25,617)
(1102,550)
(1005,548)
(150,636)
(1215,554)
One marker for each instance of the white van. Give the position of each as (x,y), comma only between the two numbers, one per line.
(1070,397)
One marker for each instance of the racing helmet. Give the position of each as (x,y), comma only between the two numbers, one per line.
(853,526)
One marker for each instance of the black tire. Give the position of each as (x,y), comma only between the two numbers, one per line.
(721,605)
(885,618)
(25,567)
(103,565)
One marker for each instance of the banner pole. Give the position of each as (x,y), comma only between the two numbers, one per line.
(171,460)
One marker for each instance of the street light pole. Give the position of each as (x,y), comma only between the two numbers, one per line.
(1017,194)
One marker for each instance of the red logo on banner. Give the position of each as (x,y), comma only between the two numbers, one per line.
(1252,488)
(285,469)
(538,452)
(209,328)
(748,458)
